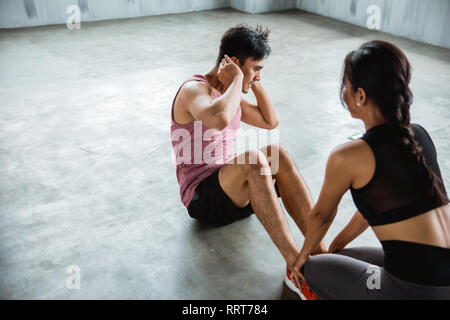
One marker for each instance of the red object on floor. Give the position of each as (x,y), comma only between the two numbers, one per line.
(307,293)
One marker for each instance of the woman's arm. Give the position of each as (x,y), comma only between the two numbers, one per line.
(338,179)
(357,225)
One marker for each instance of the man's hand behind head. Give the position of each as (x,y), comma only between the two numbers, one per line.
(228,70)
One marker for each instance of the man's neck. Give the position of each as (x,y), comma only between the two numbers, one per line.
(213,79)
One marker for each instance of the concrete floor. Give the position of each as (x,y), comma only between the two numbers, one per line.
(85,160)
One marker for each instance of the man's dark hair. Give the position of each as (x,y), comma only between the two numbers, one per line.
(243,42)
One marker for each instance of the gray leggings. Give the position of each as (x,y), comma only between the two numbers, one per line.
(358,273)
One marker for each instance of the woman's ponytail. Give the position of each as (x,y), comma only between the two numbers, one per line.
(383,71)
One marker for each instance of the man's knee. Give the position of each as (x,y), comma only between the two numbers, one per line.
(256,162)
(272,149)
(278,158)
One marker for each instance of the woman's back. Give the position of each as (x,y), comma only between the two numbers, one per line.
(399,187)
(395,181)
(412,224)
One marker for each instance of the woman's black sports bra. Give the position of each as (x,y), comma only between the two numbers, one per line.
(396,190)
(395,193)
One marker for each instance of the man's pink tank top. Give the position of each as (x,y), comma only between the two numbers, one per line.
(200,151)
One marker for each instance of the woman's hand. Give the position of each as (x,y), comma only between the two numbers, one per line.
(296,275)
(357,225)
(337,244)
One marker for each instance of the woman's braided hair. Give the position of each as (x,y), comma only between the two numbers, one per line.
(382,70)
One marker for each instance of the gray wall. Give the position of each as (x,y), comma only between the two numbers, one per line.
(260,6)
(26,13)
(422,20)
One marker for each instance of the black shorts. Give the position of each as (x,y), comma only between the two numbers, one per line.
(211,204)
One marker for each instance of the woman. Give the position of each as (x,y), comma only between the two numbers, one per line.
(395,182)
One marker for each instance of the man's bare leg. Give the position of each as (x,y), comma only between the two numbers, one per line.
(293,190)
(244,183)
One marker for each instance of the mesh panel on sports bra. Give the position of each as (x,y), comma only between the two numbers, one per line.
(397,189)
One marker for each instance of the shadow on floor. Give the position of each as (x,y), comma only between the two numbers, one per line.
(200,228)
(288,294)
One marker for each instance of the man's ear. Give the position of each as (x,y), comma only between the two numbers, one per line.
(236,60)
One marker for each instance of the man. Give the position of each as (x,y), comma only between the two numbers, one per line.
(233,187)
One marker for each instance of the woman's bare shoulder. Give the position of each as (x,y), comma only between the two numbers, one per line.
(353,156)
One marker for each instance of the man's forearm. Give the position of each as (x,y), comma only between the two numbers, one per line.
(227,104)
(265,104)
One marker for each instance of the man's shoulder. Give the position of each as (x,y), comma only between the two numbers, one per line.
(194,87)
(195,84)
(192,93)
